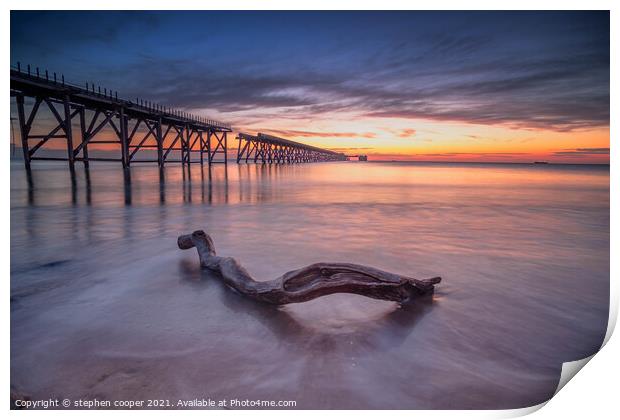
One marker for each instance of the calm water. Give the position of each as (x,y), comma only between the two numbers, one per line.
(104,305)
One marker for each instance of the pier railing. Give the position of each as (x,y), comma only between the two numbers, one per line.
(136,126)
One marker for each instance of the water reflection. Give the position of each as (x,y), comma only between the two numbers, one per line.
(170,185)
(253,184)
(162,186)
(88,186)
(127,186)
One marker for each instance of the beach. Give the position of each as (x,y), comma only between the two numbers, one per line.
(105,306)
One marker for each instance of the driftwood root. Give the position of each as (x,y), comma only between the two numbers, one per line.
(309,282)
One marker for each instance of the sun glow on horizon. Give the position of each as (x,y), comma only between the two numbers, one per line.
(405,139)
(497,86)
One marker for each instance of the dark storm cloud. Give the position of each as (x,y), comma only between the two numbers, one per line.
(526,70)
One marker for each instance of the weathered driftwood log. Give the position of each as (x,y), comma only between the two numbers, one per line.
(309,282)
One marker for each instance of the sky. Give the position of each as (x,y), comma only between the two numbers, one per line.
(439,86)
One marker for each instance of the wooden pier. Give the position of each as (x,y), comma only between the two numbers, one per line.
(265,148)
(137,126)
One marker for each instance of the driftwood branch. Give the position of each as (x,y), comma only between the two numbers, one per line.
(309,282)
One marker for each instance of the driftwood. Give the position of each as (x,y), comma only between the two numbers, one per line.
(309,282)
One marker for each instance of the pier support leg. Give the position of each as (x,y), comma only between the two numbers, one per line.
(185,146)
(23,130)
(251,148)
(239,150)
(69,134)
(210,158)
(225,149)
(84,138)
(124,141)
(201,142)
(160,144)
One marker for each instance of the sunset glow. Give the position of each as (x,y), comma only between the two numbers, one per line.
(497,87)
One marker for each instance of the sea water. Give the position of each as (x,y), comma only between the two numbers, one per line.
(104,306)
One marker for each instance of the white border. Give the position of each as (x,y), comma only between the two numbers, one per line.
(594,394)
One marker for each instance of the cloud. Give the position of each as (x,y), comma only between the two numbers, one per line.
(548,94)
(585,151)
(408,132)
(559,94)
(352,149)
(489,154)
(489,69)
(322,134)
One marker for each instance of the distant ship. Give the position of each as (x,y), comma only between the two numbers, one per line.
(541,162)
